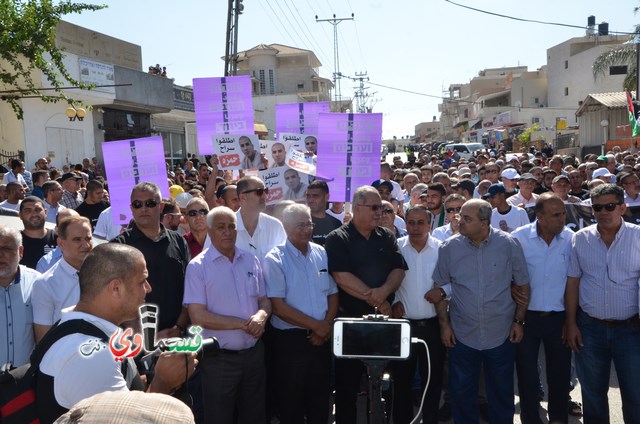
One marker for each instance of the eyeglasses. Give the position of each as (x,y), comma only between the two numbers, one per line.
(174,215)
(387,211)
(194,212)
(305,226)
(259,191)
(609,207)
(458,209)
(150,203)
(374,208)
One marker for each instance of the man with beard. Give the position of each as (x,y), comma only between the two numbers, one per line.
(317,197)
(36,240)
(170,216)
(278,154)
(432,199)
(252,158)
(296,187)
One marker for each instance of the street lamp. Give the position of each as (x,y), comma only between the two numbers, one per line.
(605,124)
(73,113)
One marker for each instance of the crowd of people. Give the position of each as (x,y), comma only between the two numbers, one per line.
(446,244)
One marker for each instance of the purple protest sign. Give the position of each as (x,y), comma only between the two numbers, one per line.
(129,162)
(349,154)
(299,118)
(223,106)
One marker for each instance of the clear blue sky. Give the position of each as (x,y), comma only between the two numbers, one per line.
(416,45)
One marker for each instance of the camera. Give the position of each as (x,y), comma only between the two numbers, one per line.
(208,349)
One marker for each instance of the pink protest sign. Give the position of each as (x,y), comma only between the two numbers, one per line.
(299,118)
(129,162)
(349,154)
(223,106)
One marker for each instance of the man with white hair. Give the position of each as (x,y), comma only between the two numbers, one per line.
(225,295)
(16,331)
(305,302)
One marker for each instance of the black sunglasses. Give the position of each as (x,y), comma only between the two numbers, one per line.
(194,212)
(258,191)
(609,207)
(374,208)
(151,203)
(387,211)
(458,209)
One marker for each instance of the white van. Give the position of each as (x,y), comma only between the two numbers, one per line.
(465,150)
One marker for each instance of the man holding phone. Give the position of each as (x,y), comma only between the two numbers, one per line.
(366,263)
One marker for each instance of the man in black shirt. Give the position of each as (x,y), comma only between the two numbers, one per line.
(166,254)
(37,240)
(94,204)
(317,197)
(366,263)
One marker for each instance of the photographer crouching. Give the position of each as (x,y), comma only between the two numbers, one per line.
(113,285)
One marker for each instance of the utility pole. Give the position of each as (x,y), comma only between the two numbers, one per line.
(336,57)
(231,48)
(360,95)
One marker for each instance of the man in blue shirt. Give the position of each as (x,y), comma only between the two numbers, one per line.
(304,299)
(547,248)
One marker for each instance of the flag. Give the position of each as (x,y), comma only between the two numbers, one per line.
(635,130)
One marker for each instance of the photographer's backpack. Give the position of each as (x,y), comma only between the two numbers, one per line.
(18,403)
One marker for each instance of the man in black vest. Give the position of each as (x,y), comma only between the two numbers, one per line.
(113,285)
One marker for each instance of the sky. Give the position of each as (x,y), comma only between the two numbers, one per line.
(420,46)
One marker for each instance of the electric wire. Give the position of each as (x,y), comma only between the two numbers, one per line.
(515,18)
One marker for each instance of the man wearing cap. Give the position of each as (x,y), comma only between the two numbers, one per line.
(504,216)
(561,186)
(71,184)
(631,185)
(510,178)
(525,197)
(602,174)
(385,189)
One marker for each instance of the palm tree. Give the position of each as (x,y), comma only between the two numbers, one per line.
(622,54)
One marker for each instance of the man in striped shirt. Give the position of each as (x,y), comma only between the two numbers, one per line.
(601,303)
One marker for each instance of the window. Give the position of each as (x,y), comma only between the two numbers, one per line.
(300,86)
(536,100)
(263,86)
(174,147)
(272,88)
(618,70)
(566,64)
(566,91)
(535,120)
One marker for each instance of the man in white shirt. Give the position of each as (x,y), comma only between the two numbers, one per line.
(525,197)
(631,185)
(504,216)
(452,207)
(15,194)
(15,175)
(421,254)
(258,232)
(58,288)
(113,285)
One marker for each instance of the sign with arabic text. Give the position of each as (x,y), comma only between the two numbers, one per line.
(129,162)
(299,118)
(223,106)
(238,151)
(349,153)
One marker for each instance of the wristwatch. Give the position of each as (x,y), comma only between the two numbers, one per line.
(517,321)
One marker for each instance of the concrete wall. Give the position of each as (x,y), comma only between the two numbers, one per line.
(153,93)
(577,76)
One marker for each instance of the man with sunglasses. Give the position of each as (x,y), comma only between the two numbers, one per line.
(197,210)
(258,232)
(601,302)
(452,206)
(366,263)
(166,254)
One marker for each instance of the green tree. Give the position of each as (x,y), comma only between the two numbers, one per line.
(27,44)
(525,137)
